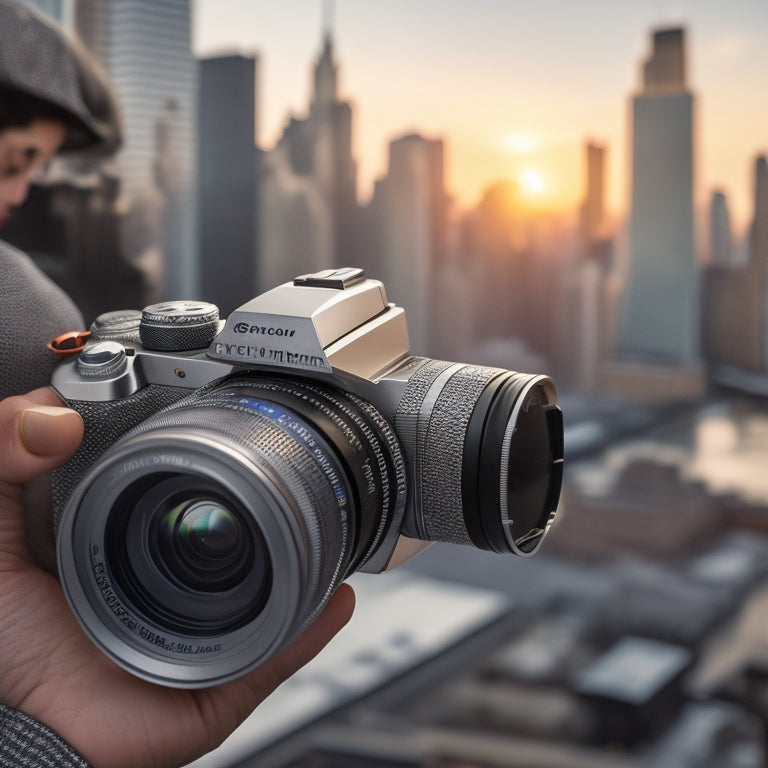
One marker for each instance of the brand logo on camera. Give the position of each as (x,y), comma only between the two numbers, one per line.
(263,330)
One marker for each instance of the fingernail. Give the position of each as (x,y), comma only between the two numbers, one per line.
(44,428)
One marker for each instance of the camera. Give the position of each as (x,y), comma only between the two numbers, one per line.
(234,473)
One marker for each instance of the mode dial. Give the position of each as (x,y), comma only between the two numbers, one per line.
(175,326)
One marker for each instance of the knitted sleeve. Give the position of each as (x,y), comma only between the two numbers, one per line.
(27,743)
(33,311)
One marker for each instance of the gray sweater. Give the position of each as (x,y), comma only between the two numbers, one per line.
(27,743)
(33,311)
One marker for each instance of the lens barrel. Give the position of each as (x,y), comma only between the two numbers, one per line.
(485,450)
(209,537)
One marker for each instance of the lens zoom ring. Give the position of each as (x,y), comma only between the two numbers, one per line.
(440,454)
(409,409)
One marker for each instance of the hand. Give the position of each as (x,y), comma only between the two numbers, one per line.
(51,670)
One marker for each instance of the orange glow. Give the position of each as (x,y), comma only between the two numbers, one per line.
(532,182)
(520,143)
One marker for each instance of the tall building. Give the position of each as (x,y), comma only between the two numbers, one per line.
(736,296)
(517,266)
(308,188)
(145,47)
(759,252)
(405,241)
(227,158)
(593,206)
(659,321)
(758,242)
(493,249)
(720,247)
(588,326)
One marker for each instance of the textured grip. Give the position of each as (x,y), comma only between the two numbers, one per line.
(105,423)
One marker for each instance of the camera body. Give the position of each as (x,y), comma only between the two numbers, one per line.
(234,473)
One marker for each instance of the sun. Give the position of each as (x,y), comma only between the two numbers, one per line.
(532,182)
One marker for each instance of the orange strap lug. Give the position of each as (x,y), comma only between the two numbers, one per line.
(69,343)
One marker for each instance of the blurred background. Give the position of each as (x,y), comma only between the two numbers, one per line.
(574,188)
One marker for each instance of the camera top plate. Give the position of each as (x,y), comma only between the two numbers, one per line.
(295,324)
(325,323)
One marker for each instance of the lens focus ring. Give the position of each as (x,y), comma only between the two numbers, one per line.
(437,403)
(484,453)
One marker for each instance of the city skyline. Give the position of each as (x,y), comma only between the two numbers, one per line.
(514,91)
(529,279)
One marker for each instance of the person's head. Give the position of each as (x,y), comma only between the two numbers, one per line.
(53,99)
(31,132)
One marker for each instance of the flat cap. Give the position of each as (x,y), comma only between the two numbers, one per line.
(39,58)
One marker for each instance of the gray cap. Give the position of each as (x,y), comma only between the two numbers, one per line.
(39,58)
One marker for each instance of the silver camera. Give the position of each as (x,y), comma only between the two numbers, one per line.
(234,473)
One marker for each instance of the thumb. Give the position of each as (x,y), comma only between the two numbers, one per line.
(36,435)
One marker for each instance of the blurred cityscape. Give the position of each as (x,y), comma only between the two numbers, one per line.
(639,636)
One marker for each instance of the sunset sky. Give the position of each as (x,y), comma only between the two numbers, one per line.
(514,88)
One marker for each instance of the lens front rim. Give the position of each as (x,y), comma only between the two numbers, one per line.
(148,650)
(489,520)
(528,543)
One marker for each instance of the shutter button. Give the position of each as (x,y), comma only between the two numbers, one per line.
(102,360)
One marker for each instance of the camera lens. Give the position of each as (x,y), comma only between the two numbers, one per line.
(201,543)
(207,538)
(187,555)
(486,448)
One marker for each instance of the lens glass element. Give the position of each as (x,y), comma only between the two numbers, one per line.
(512,466)
(186,554)
(528,473)
(201,543)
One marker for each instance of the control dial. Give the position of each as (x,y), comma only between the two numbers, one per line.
(176,326)
(120,325)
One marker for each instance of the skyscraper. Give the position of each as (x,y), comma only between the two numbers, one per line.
(719,229)
(736,309)
(593,206)
(588,321)
(406,239)
(659,321)
(758,243)
(308,191)
(227,180)
(145,47)
(758,254)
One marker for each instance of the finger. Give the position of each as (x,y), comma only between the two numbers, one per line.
(36,435)
(333,618)
(238,699)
